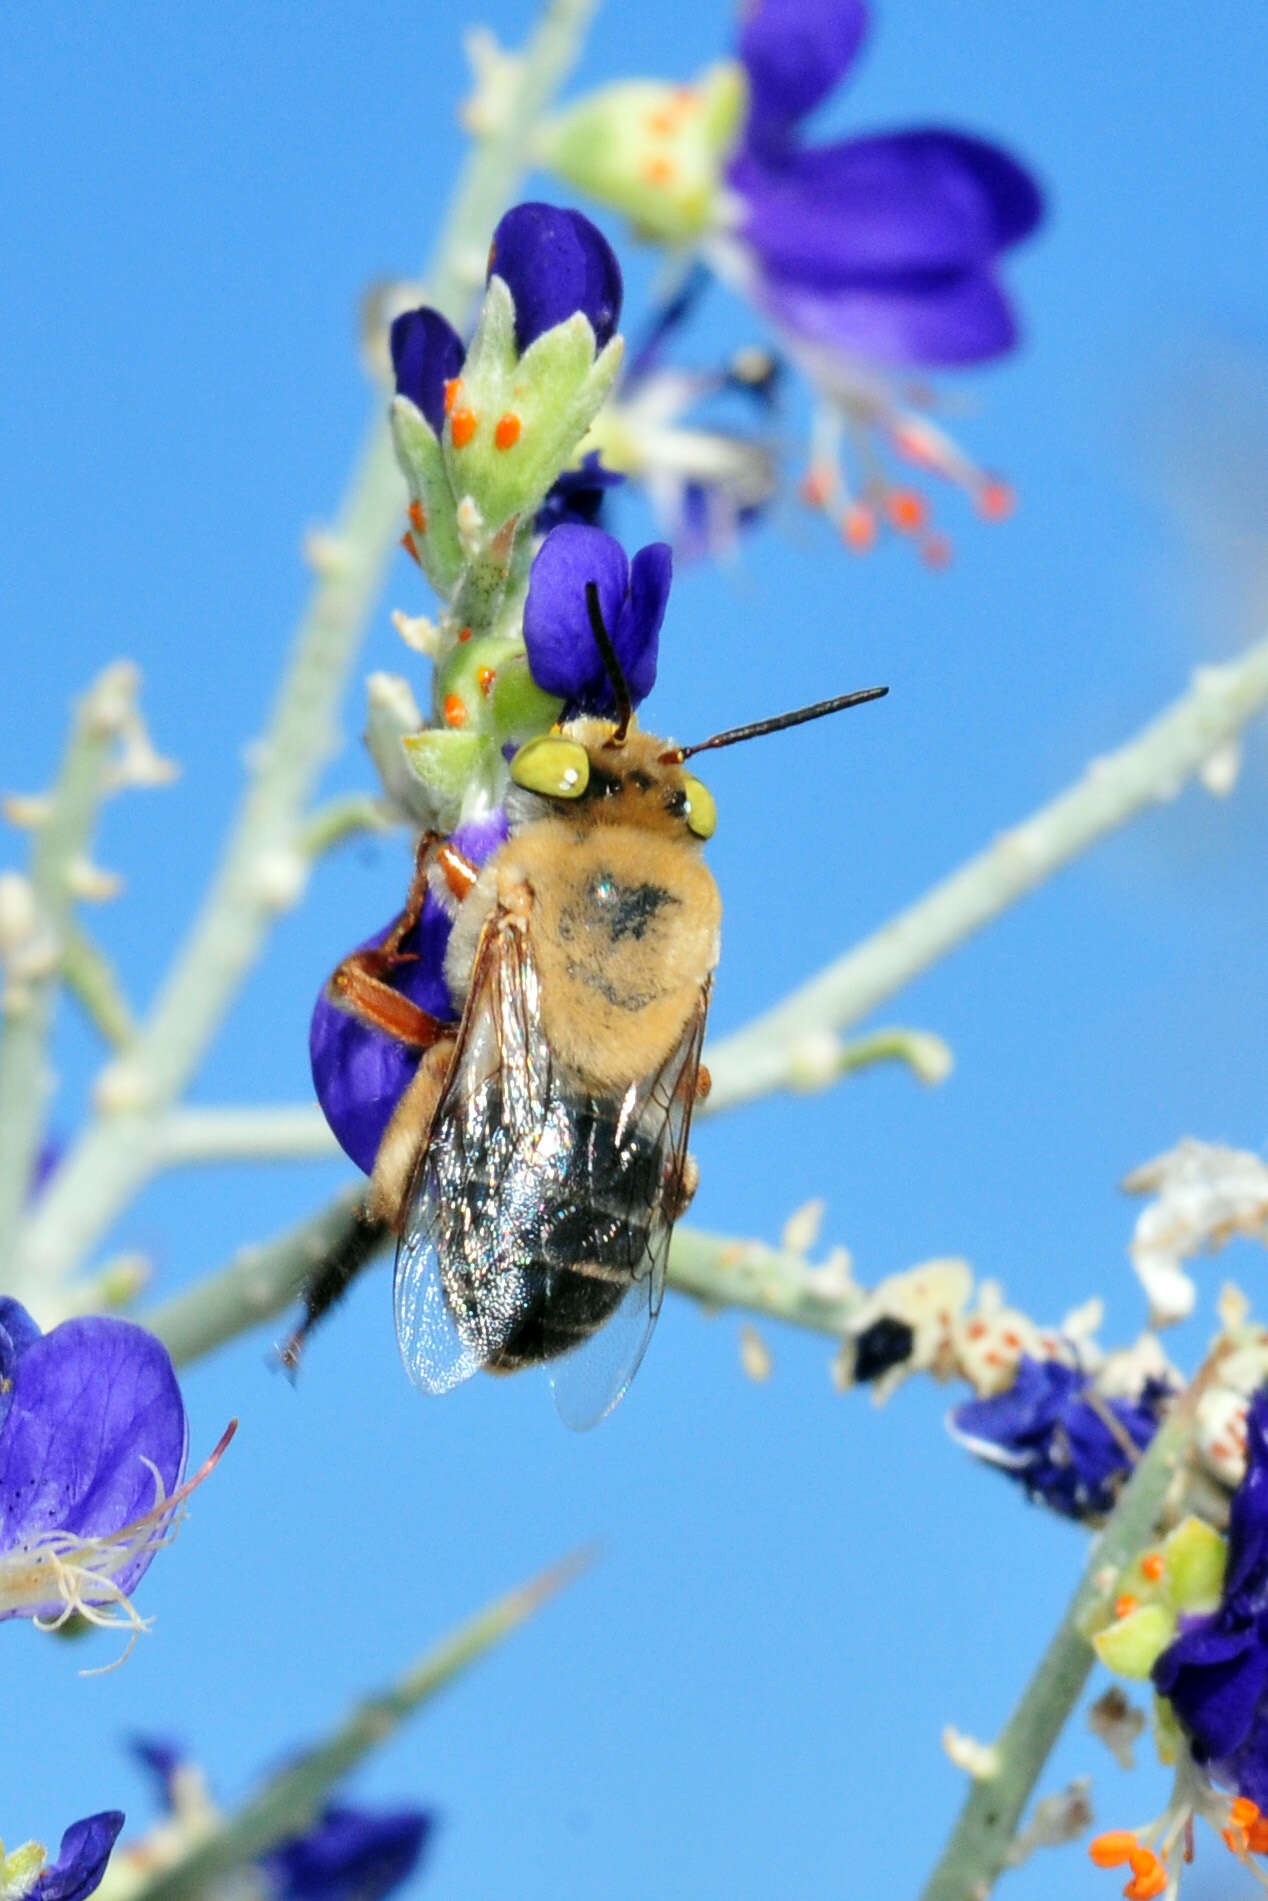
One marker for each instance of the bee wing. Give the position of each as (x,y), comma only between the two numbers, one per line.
(492,1105)
(655,1116)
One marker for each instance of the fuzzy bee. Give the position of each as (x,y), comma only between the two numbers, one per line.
(534,1168)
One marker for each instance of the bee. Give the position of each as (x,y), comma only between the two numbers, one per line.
(534,1169)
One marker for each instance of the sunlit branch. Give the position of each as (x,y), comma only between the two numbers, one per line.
(773,1051)
(289,1804)
(90,978)
(295,1132)
(61,839)
(263,867)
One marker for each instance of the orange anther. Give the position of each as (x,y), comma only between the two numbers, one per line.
(1147,1885)
(1126,1604)
(1243,1811)
(1112,1849)
(975,1329)
(410,546)
(1257,1837)
(455,711)
(453,388)
(907,511)
(485,676)
(858,528)
(1011,1339)
(1142,1861)
(507,433)
(663,123)
(995,500)
(462,426)
(658,171)
(1153,1566)
(464,635)
(418,518)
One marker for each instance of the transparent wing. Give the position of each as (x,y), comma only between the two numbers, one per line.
(458,1293)
(654,1119)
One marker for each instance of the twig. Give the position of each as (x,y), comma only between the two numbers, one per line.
(90,978)
(62,838)
(288,1804)
(769,1053)
(263,869)
(290,1133)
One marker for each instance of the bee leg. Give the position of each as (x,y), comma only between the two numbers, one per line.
(329,1282)
(406,1136)
(360,986)
(458,871)
(688,1182)
(704,1084)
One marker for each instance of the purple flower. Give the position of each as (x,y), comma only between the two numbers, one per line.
(427,353)
(563,655)
(81,1862)
(1045,1432)
(884,247)
(1215,1674)
(92,1449)
(349,1855)
(360,1073)
(555,262)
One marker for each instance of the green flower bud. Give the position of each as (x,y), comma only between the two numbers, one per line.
(433,519)
(447,763)
(1196,1557)
(1131,1645)
(653,151)
(516,420)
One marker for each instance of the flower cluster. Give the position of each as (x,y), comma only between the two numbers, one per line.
(867,256)
(93,1439)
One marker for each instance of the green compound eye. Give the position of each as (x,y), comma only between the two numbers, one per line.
(702,813)
(557,768)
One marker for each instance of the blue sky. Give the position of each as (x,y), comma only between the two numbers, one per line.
(797,1591)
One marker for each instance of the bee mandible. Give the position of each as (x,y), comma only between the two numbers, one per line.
(534,1168)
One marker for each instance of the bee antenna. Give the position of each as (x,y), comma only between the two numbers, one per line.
(776,725)
(611,664)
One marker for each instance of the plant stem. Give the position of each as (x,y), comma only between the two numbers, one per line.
(771,1052)
(120,1150)
(63,834)
(288,1804)
(976,1852)
(255,1133)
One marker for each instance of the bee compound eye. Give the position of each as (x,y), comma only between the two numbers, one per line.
(557,768)
(701,813)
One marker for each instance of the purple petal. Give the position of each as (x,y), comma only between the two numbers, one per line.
(636,635)
(162,1757)
(1246,1586)
(81,1859)
(858,212)
(555,262)
(349,1855)
(359,1073)
(578,495)
(426,353)
(17,1332)
(563,657)
(795,52)
(1214,1680)
(955,320)
(92,1401)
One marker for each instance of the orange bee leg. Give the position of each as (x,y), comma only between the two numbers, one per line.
(458,871)
(360,987)
(704,1084)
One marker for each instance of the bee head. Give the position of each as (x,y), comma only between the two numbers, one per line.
(630,783)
